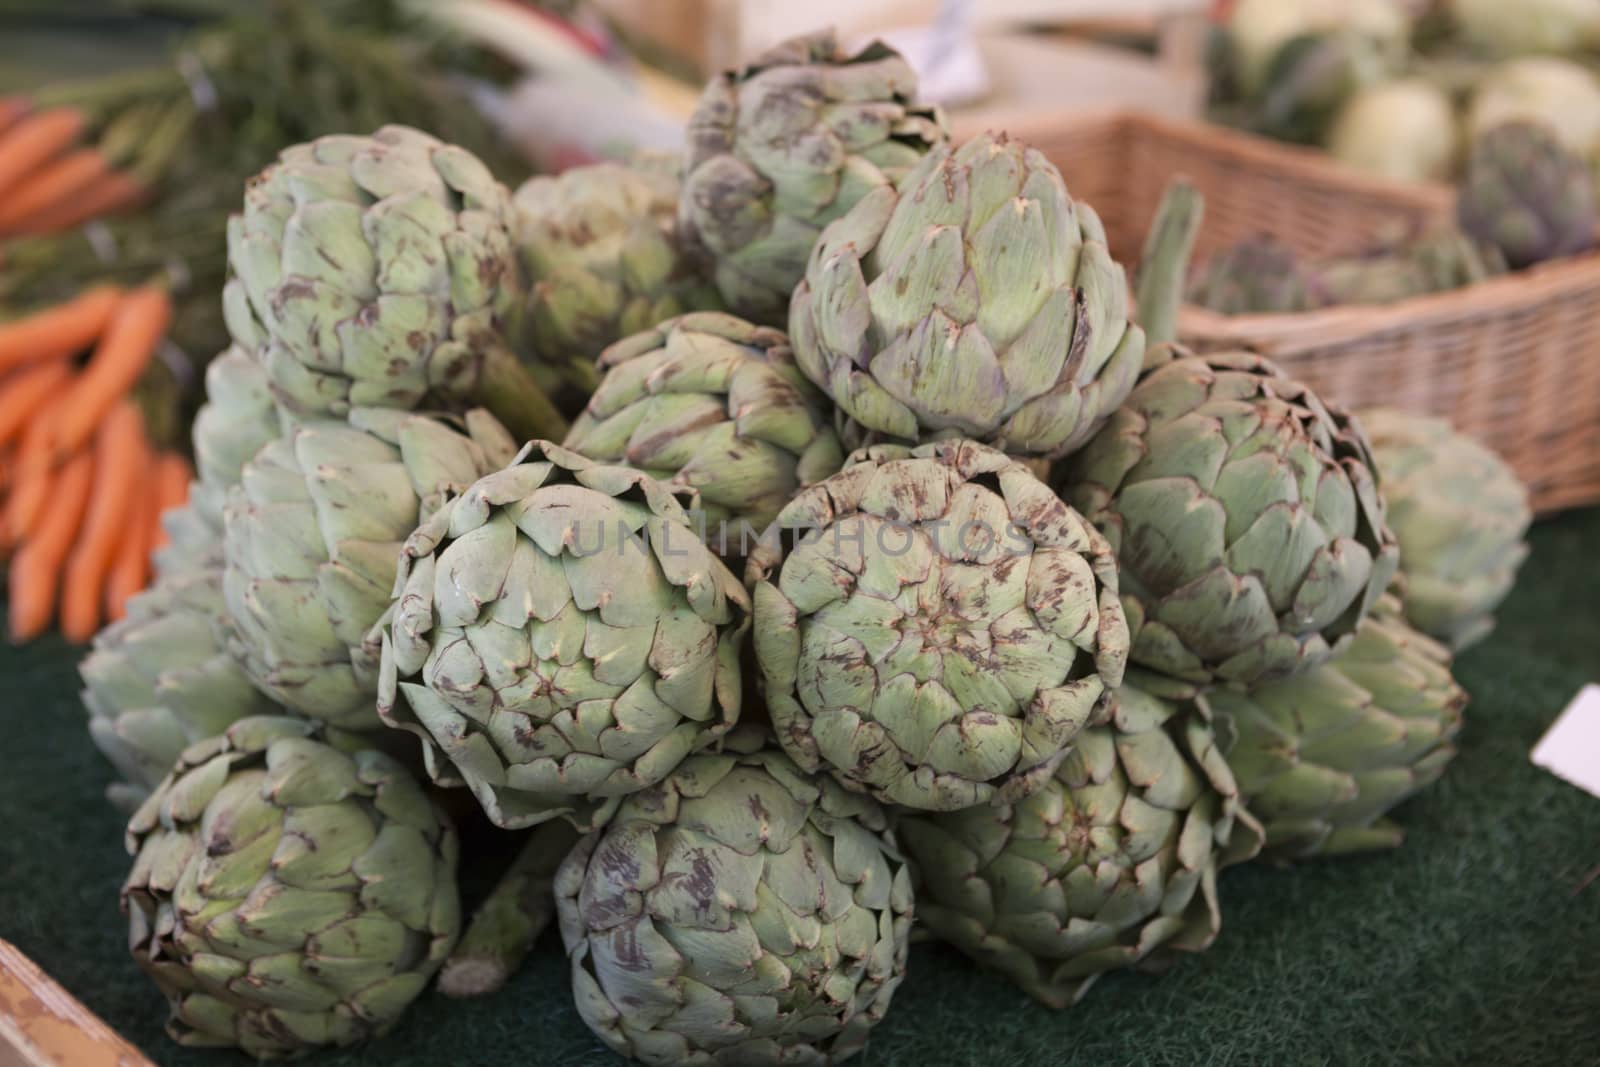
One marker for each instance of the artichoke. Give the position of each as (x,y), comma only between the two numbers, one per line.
(1436,262)
(1562,94)
(1112,864)
(287,893)
(600,243)
(1460,515)
(979,300)
(1404,130)
(313,534)
(236,421)
(942,629)
(782,147)
(1527,195)
(1322,758)
(376,272)
(1245,517)
(1260,29)
(714,404)
(740,913)
(160,679)
(560,639)
(1259,275)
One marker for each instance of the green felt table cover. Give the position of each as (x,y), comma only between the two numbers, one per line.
(1478,942)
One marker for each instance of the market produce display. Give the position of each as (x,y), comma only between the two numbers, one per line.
(714,404)
(945,634)
(1404,89)
(745,912)
(787,144)
(975,299)
(969,599)
(1113,863)
(1321,759)
(290,888)
(601,244)
(1460,515)
(1523,198)
(560,638)
(1525,194)
(1245,517)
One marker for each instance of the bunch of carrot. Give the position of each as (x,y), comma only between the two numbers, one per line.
(81,488)
(52,178)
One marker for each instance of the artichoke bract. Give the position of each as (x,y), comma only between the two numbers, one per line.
(238,418)
(978,300)
(940,629)
(313,536)
(560,638)
(1321,759)
(161,678)
(787,144)
(1460,515)
(1245,518)
(742,912)
(1524,193)
(713,404)
(1112,864)
(287,893)
(377,272)
(600,244)
(1259,275)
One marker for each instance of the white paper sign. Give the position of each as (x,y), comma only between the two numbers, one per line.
(1570,749)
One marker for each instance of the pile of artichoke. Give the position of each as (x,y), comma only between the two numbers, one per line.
(1082,620)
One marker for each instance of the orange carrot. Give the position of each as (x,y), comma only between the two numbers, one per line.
(173,476)
(58,181)
(58,331)
(110,194)
(12,108)
(36,570)
(25,392)
(136,327)
(35,471)
(120,470)
(35,140)
(130,571)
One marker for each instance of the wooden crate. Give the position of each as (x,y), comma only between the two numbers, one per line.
(1514,361)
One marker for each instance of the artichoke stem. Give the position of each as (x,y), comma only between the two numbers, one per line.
(512,396)
(1165,263)
(507,924)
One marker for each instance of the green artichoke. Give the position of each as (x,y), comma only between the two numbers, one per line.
(377,271)
(979,300)
(782,147)
(740,913)
(600,243)
(236,421)
(287,893)
(560,638)
(712,403)
(1112,864)
(1259,275)
(1436,262)
(1245,517)
(1321,759)
(1524,193)
(1460,515)
(313,536)
(941,630)
(161,678)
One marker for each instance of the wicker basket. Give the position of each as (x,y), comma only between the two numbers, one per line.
(1514,361)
